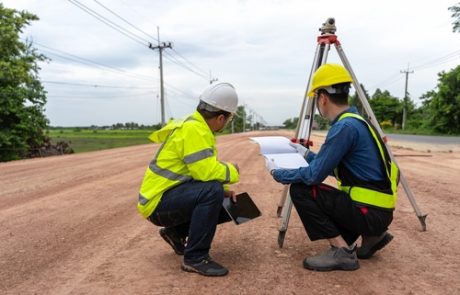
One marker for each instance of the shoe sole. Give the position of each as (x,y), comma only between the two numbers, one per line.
(382,243)
(345,267)
(171,243)
(188,268)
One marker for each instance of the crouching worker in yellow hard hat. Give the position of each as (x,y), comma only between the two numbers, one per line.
(353,152)
(185,184)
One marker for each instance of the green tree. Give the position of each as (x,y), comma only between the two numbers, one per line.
(386,107)
(22,97)
(444,104)
(354,100)
(291,123)
(240,121)
(456,16)
(322,123)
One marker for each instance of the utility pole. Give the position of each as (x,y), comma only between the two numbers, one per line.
(161,46)
(407,72)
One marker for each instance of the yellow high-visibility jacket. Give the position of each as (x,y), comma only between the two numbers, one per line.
(367,196)
(188,153)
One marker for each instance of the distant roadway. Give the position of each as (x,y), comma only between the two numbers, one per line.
(425,138)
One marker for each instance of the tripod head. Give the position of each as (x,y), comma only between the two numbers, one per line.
(328,27)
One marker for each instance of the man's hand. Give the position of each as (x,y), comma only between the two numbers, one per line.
(271,165)
(300,149)
(230,194)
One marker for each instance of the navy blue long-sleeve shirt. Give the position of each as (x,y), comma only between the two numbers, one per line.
(349,142)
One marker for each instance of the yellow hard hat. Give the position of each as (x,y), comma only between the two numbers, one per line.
(327,75)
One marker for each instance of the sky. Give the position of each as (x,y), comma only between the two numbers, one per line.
(101,70)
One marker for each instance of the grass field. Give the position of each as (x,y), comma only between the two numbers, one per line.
(85,140)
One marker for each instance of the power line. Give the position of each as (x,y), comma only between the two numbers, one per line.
(110,23)
(180,91)
(85,61)
(95,85)
(396,77)
(189,62)
(103,97)
(123,19)
(179,63)
(451,56)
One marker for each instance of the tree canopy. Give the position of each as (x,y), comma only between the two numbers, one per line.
(386,107)
(443,104)
(456,16)
(22,97)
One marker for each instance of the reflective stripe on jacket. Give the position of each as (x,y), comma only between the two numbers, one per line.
(385,198)
(188,152)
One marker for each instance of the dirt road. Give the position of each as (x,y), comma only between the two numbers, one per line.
(69,225)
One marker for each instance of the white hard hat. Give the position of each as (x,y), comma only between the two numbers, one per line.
(222,96)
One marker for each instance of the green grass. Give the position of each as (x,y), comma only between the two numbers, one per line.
(85,140)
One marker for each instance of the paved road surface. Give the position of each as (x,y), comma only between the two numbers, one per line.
(426,138)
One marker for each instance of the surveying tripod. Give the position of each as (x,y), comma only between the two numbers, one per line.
(307,112)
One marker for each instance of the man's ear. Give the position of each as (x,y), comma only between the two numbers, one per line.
(222,117)
(325,98)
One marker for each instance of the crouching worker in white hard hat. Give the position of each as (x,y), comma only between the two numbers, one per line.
(354,153)
(185,184)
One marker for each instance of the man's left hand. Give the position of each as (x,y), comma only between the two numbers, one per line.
(230,194)
(300,149)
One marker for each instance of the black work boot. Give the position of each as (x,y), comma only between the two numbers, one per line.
(177,243)
(372,244)
(333,259)
(205,267)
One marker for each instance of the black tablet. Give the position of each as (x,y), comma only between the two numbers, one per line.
(242,210)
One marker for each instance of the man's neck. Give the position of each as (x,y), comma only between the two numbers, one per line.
(337,110)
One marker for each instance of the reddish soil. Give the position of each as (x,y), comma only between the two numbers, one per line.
(69,225)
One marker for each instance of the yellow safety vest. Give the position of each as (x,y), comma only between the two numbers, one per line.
(188,153)
(368,196)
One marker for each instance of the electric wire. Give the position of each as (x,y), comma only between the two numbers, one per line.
(435,62)
(188,61)
(173,59)
(110,23)
(88,96)
(182,92)
(126,21)
(75,58)
(449,57)
(95,85)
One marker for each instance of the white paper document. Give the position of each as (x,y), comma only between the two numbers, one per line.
(278,150)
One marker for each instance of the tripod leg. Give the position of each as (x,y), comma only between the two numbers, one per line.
(300,128)
(370,113)
(410,196)
(282,201)
(303,130)
(285,215)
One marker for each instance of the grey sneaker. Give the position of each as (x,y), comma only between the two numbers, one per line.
(333,259)
(206,267)
(372,244)
(173,240)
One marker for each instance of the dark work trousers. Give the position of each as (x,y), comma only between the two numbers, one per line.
(327,212)
(191,209)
